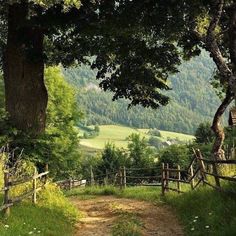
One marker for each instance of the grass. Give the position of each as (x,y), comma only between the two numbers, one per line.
(52,216)
(205,212)
(127,225)
(118,135)
(201,212)
(140,193)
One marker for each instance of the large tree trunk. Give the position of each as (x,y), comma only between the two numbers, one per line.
(218,151)
(26,94)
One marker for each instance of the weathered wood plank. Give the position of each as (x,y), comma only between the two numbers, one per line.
(177,180)
(222,177)
(219,161)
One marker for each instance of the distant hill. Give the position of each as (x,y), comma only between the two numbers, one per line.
(193,100)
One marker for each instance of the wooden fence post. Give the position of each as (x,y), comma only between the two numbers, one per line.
(124,177)
(70,183)
(167,176)
(46,176)
(91,176)
(201,165)
(6,193)
(179,178)
(163,178)
(120,178)
(192,179)
(106,180)
(34,196)
(215,172)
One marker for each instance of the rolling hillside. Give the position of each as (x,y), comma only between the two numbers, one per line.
(193,100)
(118,135)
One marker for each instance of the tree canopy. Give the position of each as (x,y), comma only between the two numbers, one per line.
(134,45)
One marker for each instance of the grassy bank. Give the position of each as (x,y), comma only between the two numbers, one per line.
(52,216)
(205,212)
(202,212)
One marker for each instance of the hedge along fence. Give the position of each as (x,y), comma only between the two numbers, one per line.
(197,173)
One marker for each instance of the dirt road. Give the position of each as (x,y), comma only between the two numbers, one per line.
(100,214)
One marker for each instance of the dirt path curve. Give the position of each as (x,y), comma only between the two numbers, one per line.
(100,215)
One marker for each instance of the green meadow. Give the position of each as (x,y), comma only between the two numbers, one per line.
(118,135)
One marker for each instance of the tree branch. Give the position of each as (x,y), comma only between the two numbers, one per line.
(212,45)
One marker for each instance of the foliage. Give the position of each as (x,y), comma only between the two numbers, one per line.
(175,155)
(131,53)
(137,155)
(91,133)
(112,159)
(139,152)
(192,100)
(155,142)
(204,133)
(62,116)
(154,132)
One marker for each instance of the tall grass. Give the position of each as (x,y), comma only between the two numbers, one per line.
(205,212)
(54,215)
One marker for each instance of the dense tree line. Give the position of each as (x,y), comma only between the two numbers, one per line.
(193,100)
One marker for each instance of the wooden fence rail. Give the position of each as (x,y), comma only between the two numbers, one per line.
(199,175)
(127,176)
(8,184)
(69,184)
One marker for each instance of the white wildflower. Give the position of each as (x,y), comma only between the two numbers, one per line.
(194,221)
(192,229)
(34,228)
(6,226)
(38,231)
(196,217)
(210,213)
(31,232)
(207,226)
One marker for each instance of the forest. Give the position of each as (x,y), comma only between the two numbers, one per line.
(192,100)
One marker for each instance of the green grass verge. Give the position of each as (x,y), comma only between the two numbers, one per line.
(54,215)
(205,212)
(140,193)
(202,212)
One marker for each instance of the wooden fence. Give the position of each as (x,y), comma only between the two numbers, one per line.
(127,177)
(69,184)
(168,178)
(9,184)
(149,176)
(196,173)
